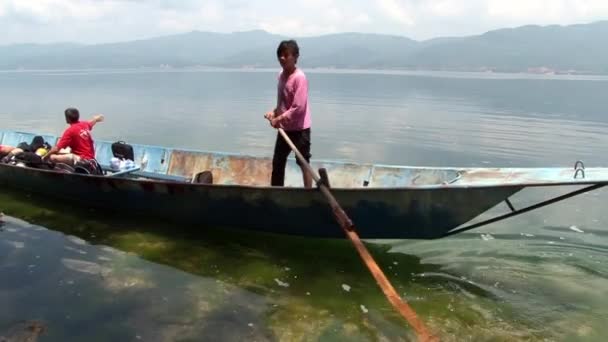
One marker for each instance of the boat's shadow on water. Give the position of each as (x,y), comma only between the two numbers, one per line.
(129,234)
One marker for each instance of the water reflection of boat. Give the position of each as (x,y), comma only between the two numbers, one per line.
(384,201)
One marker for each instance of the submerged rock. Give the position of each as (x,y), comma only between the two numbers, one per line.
(28,331)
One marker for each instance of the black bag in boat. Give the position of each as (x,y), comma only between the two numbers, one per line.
(122,150)
(36,143)
(31,159)
(24,146)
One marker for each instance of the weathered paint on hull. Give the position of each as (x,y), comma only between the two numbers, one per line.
(409,213)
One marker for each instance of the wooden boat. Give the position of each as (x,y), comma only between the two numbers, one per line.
(384,201)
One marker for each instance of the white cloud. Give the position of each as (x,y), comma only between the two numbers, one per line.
(175,20)
(397,10)
(564,11)
(361,18)
(446,8)
(212,11)
(115,20)
(56,10)
(526,10)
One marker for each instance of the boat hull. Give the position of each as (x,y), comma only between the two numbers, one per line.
(404,213)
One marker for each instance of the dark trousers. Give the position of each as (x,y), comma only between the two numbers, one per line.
(301,139)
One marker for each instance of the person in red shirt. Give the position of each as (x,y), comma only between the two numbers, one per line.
(77,137)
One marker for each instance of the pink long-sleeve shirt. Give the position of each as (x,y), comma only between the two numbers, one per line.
(292,101)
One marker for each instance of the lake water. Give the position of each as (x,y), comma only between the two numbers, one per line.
(87,276)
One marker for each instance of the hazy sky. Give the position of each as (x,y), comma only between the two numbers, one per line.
(95,21)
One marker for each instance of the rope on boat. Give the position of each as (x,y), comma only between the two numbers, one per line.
(422,332)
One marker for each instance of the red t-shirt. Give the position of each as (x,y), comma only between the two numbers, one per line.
(78,138)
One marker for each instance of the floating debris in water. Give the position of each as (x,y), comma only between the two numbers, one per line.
(17,244)
(308,293)
(287,269)
(487,237)
(346,287)
(76,250)
(526,234)
(250,325)
(77,240)
(364,309)
(395,263)
(84,266)
(576,229)
(113,251)
(280,283)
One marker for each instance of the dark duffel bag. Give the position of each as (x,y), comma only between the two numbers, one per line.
(122,150)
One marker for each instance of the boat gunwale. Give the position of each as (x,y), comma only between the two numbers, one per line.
(580,182)
(455,185)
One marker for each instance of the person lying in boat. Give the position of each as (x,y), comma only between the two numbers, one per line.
(78,138)
(5,150)
(8,152)
(38,146)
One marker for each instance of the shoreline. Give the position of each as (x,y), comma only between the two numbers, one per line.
(321,70)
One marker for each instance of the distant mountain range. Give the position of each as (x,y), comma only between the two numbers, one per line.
(543,49)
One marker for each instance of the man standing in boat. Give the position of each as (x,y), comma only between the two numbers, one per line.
(77,137)
(291,113)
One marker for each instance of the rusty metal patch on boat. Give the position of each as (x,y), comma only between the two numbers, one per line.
(241,170)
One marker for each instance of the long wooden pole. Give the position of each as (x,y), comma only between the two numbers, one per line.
(349,229)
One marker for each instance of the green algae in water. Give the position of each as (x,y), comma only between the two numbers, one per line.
(295,283)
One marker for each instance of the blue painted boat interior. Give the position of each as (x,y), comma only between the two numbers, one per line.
(237,169)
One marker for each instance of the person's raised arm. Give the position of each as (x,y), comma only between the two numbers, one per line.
(97,118)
